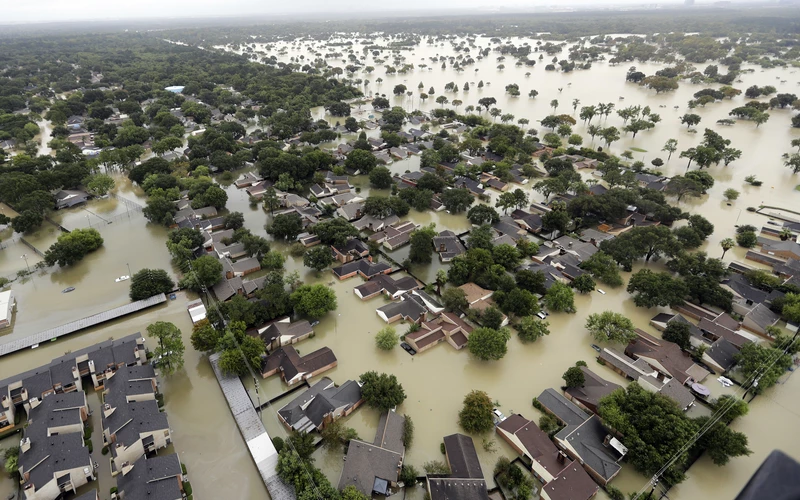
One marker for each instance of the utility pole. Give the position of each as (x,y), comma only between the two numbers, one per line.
(25,256)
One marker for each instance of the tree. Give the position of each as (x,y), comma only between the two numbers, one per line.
(651,289)
(318,257)
(454,299)
(559,298)
(149,282)
(690,119)
(731,194)
(554,104)
(386,339)
(721,442)
(732,406)
(99,184)
(271,200)
(766,364)
(603,268)
(610,326)
(206,272)
(609,135)
(679,333)
(488,344)
(313,301)
(793,162)
(475,416)
(285,226)
(681,186)
(726,245)
(360,160)
(381,391)
(747,239)
(655,430)
(204,336)
(583,283)
(169,353)
(482,214)
(337,231)
(531,328)
(574,377)
(399,89)
(647,242)
(456,200)
(380,178)
(27,221)
(71,248)
(422,245)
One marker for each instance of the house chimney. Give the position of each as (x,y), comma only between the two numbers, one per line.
(107,410)
(607,440)
(34,402)
(126,468)
(561,457)
(25,444)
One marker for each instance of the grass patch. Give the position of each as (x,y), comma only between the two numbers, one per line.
(797,187)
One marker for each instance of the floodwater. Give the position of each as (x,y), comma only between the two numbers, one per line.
(437,380)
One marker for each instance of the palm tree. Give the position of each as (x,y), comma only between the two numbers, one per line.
(726,245)
(575,103)
(469,109)
(523,122)
(554,104)
(507,118)
(495,112)
(594,130)
(786,233)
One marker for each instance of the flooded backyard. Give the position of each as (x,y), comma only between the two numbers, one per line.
(436,381)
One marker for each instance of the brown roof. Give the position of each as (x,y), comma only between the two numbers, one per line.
(537,443)
(722,329)
(473,292)
(459,339)
(292,364)
(677,363)
(594,388)
(572,483)
(430,339)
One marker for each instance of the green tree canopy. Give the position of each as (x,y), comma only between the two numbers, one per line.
(381,391)
(475,416)
(610,326)
(488,343)
(169,353)
(148,282)
(313,301)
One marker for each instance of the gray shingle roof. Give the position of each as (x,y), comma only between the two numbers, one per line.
(152,479)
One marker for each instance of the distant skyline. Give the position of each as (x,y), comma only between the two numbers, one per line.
(40,11)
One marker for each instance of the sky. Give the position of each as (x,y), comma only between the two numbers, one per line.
(35,11)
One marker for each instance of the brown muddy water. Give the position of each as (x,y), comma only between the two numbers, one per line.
(437,380)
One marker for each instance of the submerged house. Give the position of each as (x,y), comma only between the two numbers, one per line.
(465,481)
(294,368)
(584,438)
(374,468)
(447,327)
(563,479)
(320,405)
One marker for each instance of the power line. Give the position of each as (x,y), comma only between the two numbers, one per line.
(750,382)
(213,303)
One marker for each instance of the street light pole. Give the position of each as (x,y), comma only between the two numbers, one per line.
(25,256)
(129,268)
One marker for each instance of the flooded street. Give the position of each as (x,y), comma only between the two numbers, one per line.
(435,381)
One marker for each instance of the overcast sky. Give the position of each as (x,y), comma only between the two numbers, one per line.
(26,11)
